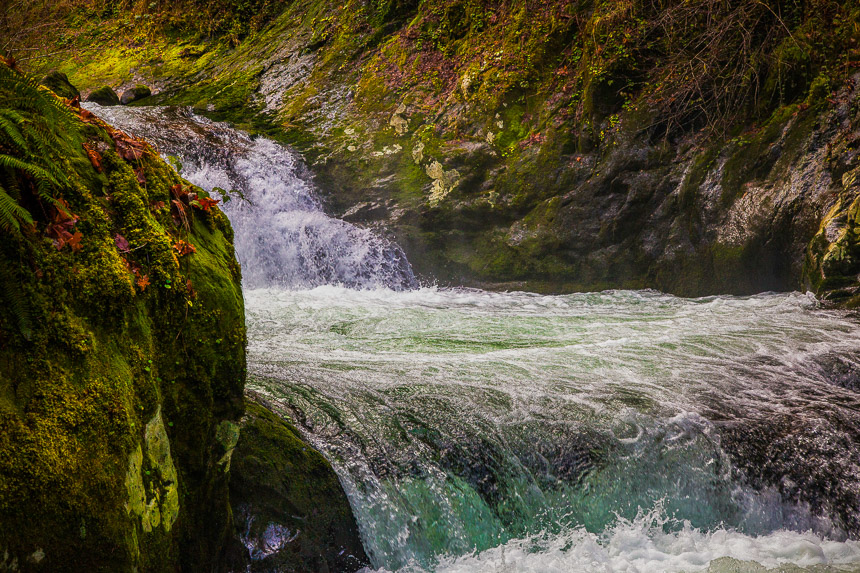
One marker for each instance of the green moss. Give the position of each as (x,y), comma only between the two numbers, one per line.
(753,157)
(104,96)
(109,408)
(58,83)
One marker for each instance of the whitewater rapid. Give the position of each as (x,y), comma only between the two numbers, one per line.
(616,431)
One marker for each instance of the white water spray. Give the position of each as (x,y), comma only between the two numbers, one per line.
(283,237)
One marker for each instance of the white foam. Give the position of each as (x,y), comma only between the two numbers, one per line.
(644,546)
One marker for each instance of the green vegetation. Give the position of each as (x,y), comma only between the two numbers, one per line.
(30,146)
(121,347)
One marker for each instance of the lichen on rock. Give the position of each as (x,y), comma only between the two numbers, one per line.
(443,182)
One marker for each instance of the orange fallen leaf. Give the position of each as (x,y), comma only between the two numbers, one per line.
(182,248)
(207,203)
(95,157)
(75,241)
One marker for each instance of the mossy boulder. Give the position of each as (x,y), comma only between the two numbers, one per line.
(136,93)
(104,96)
(58,83)
(289,510)
(122,357)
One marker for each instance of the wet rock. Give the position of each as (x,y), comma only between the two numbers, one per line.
(136,93)
(59,83)
(841,371)
(289,511)
(104,96)
(807,458)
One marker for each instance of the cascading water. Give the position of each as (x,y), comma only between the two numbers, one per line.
(476,431)
(282,236)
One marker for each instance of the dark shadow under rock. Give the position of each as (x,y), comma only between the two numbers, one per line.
(289,511)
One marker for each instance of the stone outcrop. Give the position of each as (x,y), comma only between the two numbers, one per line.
(521,152)
(136,93)
(122,359)
(104,96)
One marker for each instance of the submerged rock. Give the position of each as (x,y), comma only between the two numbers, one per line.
(289,510)
(104,96)
(138,92)
(59,83)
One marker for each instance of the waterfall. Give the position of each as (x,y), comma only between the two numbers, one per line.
(504,432)
(283,237)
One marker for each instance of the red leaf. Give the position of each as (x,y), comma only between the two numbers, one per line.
(207,203)
(141,178)
(178,210)
(182,248)
(75,241)
(127,147)
(143,282)
(121,243)
(95,157)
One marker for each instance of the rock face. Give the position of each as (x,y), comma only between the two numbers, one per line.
(104,96)
(122,355)
(138,92)
(561,149)
(289,511)
(58,83)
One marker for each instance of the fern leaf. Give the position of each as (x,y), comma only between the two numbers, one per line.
(16,301)
(11,213)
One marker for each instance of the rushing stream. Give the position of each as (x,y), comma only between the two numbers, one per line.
(507,432)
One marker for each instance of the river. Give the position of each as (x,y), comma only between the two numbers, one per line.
(622,431)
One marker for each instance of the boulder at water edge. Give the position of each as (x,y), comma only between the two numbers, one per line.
(104,96)
(122,355)
(289,510)
(59,83)
(136,93)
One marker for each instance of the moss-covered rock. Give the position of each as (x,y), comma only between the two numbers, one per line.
(104,96)
(58,83)
(122,353)
(289,510)
(136,93)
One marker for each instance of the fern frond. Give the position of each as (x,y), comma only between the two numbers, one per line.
(11,213)
(34,124)
(9,120)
